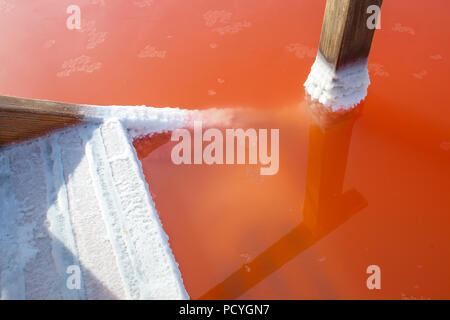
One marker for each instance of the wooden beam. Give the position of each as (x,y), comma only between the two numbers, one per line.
(21,119)
(346,36)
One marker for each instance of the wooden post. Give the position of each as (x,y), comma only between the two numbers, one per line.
(339,77)
(346,35)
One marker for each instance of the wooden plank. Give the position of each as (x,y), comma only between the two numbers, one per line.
(21,118)
(345,36)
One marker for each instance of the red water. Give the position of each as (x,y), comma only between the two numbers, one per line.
(370,189)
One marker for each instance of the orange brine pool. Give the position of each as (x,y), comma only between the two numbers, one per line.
(369,188)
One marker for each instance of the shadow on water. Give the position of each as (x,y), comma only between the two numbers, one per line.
(325,208)
(33,261)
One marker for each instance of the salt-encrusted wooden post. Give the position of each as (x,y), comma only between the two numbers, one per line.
(339,76)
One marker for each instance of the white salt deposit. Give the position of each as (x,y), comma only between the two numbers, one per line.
(338,90)
(142,120)
(78,197)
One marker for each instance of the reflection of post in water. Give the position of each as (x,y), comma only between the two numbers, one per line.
(325,208)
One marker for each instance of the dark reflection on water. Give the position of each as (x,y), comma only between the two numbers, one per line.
(326,205)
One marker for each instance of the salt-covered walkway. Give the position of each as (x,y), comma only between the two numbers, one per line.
(78,197)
